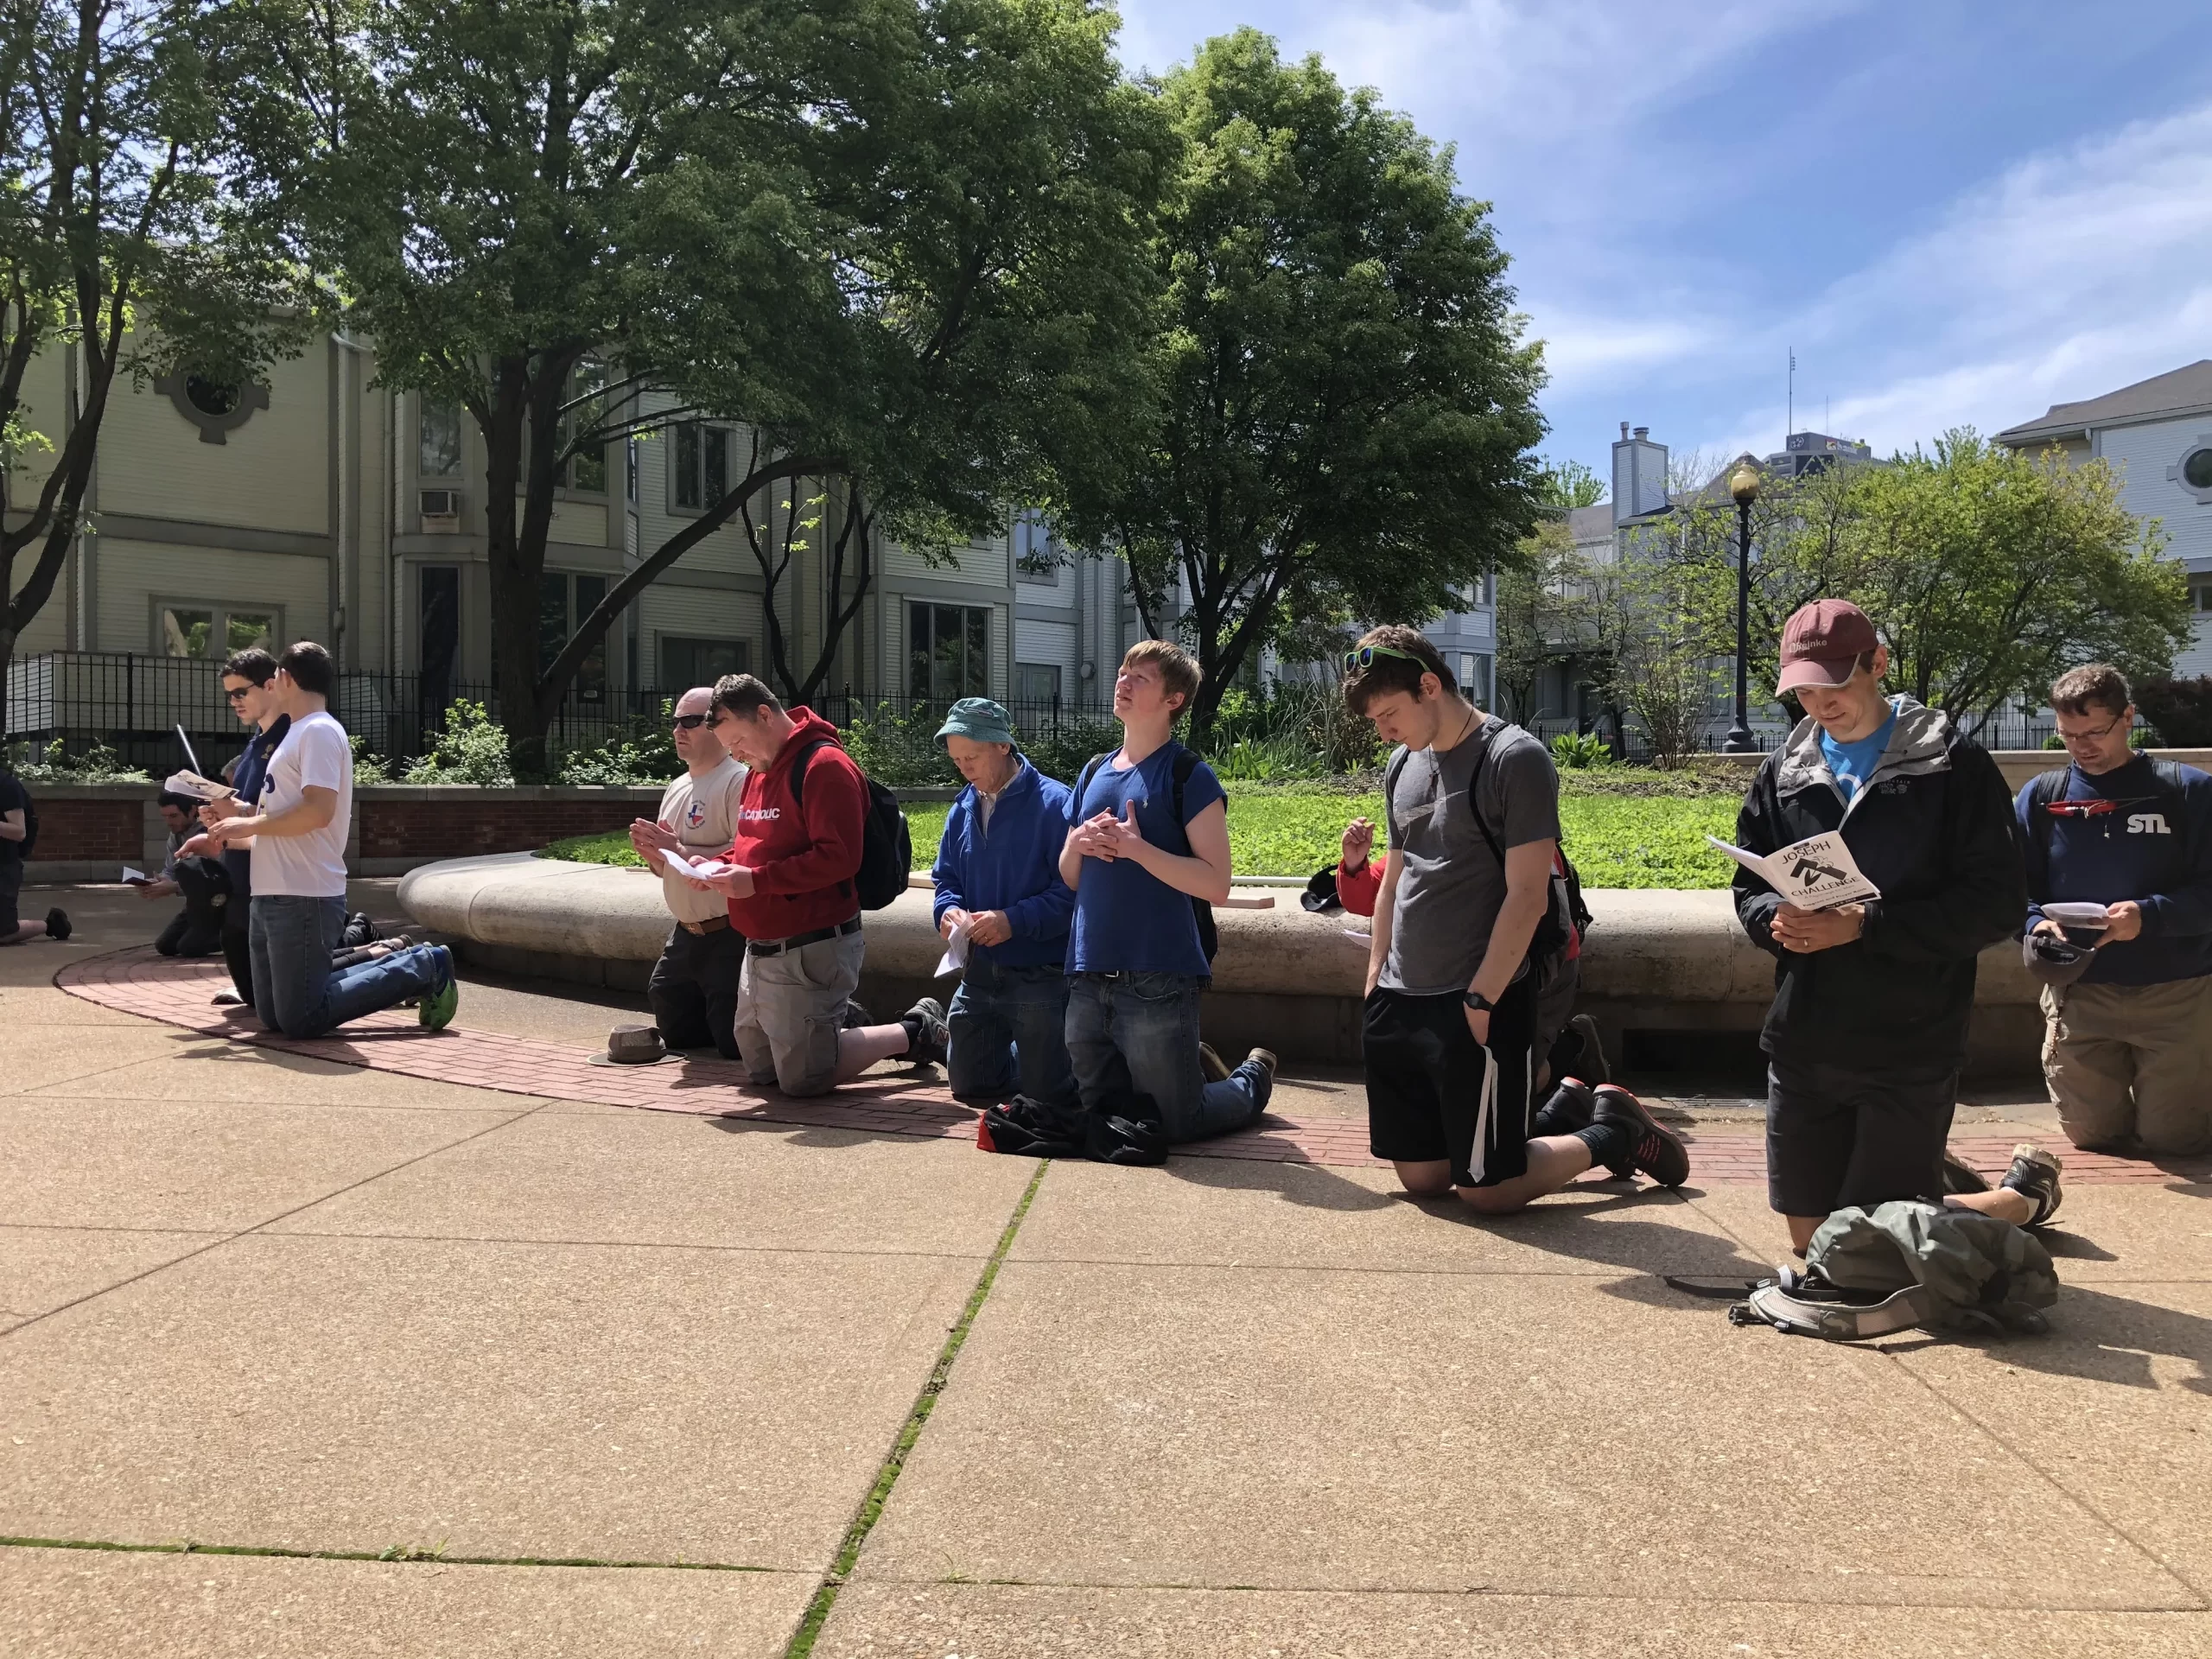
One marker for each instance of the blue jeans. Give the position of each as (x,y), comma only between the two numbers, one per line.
(294,991)
(1009,1031)
(1139,1033)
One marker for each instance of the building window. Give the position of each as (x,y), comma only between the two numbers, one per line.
(586,471)
(685,663)
(217,408)
(702,465)
(1037,685)
(438,442)
(2200,594)
(1036,550)
(564,599)
(437,621)
(949,650)
(2193,472)
(209,633)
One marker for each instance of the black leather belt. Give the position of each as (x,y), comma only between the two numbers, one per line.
(777,947)
(712,925)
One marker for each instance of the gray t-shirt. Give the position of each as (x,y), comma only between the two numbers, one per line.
(1452,885)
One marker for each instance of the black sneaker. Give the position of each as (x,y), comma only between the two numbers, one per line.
(1962,1177)
(1593,1065)
(58,927)
(2034,1176)
(227,999)
(1659,1152)
(1572,1109)
(926,1035)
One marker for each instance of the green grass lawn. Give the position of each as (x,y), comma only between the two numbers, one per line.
(1623,830)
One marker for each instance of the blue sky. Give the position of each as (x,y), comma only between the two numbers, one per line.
(1957,214)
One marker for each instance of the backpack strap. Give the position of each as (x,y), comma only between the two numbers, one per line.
(1090,771)
(798,770)
(1186,762)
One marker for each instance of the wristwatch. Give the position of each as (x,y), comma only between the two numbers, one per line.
(1478,1002)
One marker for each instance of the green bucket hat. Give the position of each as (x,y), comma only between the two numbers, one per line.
(978,719)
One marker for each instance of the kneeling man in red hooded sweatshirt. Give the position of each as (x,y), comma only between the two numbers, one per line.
(791,894)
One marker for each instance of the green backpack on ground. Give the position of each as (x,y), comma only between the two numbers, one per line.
(1906,1263)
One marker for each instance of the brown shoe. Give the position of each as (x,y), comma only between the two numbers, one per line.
(1266,1057)
(1215,1068)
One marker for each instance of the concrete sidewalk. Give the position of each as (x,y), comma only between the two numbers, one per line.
(419,1369)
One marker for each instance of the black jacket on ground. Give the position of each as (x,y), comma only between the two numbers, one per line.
(1933,829)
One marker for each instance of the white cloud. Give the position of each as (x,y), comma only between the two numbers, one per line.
(2070,275)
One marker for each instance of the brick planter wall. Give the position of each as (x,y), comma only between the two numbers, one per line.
(402,822)
(109,828)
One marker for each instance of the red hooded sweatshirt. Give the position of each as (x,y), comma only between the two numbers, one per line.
(803,856)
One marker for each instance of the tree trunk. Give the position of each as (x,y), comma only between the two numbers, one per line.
(515,537)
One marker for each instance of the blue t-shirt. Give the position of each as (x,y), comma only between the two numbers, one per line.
(1854,763)
(1127,920)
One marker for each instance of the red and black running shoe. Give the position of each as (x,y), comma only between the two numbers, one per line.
(1659,1153)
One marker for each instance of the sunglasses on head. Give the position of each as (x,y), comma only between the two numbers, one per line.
(691,722)
(1364,657)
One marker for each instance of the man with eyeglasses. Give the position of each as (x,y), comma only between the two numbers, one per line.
(693,990)
(249,686)
(2127,1040)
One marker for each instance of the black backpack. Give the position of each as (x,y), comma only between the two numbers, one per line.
(887,847)
(1186,763)
(1566,918)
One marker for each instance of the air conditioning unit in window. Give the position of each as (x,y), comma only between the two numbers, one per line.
(439,503)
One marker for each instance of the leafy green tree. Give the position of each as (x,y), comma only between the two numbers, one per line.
(1346,404)
(1570,484)
(1989,571)
(118,255)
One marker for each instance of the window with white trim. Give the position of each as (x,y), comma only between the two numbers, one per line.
(209,632)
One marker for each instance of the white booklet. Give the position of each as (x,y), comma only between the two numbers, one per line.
(956,953)
(1815,874)
(701,868)
(200,789)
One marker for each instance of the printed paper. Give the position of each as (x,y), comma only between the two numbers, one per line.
(956,953)
(135,878)
(1815,874)
(701,868)
(200,789)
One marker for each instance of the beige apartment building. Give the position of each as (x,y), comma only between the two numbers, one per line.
(318,505)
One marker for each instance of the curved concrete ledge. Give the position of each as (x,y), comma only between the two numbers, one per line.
(1657,960)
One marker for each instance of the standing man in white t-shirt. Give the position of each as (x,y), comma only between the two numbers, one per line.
(298,831)
(693,990)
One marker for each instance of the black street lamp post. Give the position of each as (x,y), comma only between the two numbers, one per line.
(1744,485)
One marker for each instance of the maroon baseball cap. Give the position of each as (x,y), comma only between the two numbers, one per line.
(1821,644)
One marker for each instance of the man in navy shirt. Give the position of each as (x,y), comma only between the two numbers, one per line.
(998,875)
(2128,1045)
(1135,956)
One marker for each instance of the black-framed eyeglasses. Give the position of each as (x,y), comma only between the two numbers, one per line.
(691,722)
(238,696)
(1364,657)
(2096,736)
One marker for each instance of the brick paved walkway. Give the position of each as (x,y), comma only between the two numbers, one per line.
(177,992)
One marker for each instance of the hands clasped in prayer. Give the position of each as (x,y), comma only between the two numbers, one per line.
(1104,835)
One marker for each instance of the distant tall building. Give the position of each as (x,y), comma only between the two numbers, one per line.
(1815,452)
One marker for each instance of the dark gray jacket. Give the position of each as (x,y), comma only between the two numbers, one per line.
(1933,829)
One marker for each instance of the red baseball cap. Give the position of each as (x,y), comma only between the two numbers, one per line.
(1821,644)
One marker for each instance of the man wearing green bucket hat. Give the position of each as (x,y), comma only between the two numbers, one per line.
(998,886)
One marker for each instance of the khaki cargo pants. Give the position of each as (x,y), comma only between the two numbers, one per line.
(2132,1063)
(791,1008)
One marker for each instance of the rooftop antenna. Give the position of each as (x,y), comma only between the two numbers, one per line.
(1791,419)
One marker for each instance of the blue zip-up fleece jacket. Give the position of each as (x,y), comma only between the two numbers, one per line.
(2130,833)
(1015,868)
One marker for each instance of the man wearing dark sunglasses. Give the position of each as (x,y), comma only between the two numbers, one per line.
(693,990)
(1449,1032)
(2127,1040)
(250,687)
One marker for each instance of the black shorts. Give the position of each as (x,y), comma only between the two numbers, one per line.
(1434,1095)
(1837,1138)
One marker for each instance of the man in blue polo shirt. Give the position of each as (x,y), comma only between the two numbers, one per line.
(1137,960)
(2127,1045)
(997,875)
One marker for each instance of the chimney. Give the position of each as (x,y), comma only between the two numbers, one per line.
(1639,475)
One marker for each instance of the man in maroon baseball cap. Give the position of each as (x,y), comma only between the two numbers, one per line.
(1821,645)
(1871,1002)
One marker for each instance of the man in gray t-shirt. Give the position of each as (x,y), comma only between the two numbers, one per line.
(1451,884)
(1450,1025)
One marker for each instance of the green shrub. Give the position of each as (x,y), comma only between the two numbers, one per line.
(473,749)
(367,768)
(51,765)
(1580,751)
(642,751)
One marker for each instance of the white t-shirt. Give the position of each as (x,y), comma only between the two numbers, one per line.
(314,752)
(703,813)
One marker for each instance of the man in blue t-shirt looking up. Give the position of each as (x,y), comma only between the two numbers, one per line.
(1135,961)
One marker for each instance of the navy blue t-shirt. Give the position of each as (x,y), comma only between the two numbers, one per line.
(1127,920)
(2140,841)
